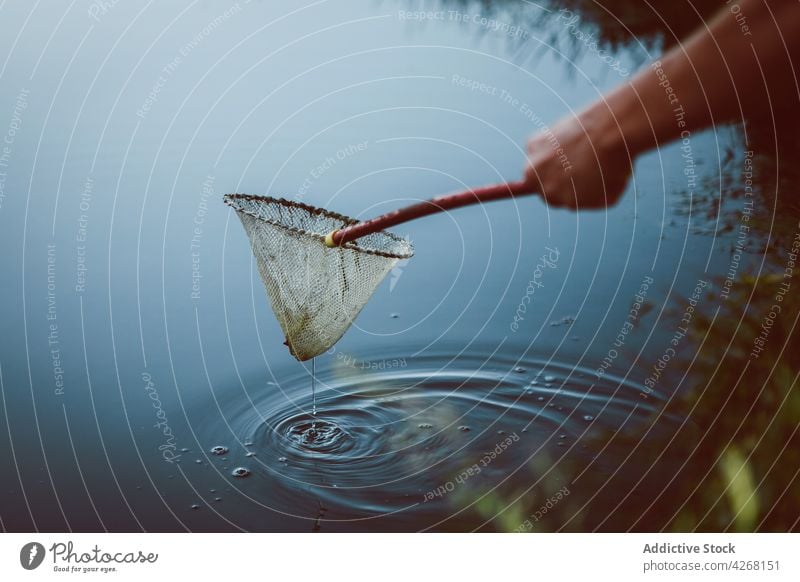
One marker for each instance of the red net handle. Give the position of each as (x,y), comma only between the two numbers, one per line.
(432,206)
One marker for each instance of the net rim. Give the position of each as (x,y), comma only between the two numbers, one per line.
(313,210)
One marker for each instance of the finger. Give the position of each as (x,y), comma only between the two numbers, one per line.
(531,175)
(571,199)
(571,204)
(553,198)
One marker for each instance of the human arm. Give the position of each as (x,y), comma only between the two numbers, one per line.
(719,74)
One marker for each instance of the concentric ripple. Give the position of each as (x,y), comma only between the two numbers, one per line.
(382,441)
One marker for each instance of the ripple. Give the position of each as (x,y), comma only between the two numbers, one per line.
(319,436)
(381,439)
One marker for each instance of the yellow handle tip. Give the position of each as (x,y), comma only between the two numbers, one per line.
(329,239)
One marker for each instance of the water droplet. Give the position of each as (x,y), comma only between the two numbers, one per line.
(588,417)
(240,472)
(463,428)
(520,370)
(549,378)
(394,315)
(425,425)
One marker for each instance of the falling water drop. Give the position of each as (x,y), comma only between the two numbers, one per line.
(313,393)
(240,472)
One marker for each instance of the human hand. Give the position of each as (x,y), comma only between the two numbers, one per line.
(581,163)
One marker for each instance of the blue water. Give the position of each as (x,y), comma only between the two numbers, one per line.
(137,335)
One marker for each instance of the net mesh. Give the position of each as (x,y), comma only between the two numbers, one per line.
(316,291)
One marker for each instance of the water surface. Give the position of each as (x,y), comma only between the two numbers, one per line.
(137,336)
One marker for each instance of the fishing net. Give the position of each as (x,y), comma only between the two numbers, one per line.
(316,291)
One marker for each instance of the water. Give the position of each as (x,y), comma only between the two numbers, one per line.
(383,441)
(138,338)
